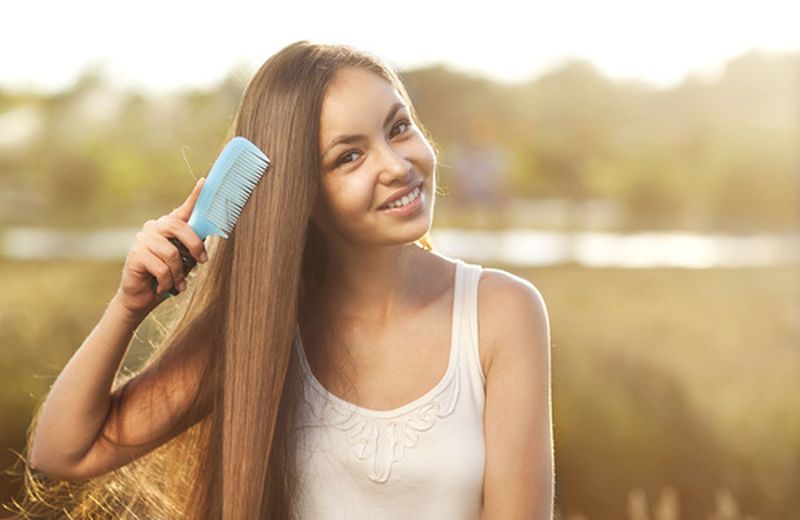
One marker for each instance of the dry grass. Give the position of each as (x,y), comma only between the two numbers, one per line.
(674,390)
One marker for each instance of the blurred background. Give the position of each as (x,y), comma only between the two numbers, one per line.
(638,162)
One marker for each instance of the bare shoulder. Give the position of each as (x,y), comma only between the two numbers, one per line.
(512,315)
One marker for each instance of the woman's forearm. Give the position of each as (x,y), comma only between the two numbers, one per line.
(77,405)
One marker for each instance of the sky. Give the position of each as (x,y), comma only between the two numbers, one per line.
(164,45)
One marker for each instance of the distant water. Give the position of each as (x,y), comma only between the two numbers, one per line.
(521,247)
(634,250)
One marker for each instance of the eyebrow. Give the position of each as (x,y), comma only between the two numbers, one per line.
(350,138)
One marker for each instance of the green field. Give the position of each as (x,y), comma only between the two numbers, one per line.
(664,380)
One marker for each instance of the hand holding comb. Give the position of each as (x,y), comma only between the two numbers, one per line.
(228,186)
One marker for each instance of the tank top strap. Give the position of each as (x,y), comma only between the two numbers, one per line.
(467,316)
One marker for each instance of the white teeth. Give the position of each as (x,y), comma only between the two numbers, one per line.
(405,200)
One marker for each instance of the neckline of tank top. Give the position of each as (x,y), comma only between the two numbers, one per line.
(419,401)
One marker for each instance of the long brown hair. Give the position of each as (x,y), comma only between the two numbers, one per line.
(256,287)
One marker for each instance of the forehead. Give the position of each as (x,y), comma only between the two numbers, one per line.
(355,101)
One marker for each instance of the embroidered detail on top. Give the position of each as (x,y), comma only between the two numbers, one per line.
(379,441)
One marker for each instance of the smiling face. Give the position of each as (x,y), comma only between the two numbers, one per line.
(370,151)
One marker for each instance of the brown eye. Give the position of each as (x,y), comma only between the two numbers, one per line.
(342,160)
(403,123)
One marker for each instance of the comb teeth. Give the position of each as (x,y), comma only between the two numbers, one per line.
(229,185)
(240,180)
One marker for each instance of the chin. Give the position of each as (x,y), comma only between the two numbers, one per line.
(407,229)
(408,233)
(420,230)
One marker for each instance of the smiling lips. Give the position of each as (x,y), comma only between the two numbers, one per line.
(403,201)
(402,196)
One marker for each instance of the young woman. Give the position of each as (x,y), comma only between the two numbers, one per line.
(325,361)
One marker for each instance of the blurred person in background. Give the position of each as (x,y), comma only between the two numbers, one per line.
(480,168)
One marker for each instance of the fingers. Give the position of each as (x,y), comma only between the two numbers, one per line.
(159,269)
(172,226)
(158,255)
(184,211)
(168,255)
(168,260)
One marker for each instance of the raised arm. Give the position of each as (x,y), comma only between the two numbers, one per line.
(66,442)
(152,407)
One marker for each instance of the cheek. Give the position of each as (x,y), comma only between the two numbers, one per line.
(431,159)
(425,155)
(350,198)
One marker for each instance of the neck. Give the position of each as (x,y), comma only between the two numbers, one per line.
(373,283)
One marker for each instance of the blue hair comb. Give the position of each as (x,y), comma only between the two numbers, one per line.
(228,186)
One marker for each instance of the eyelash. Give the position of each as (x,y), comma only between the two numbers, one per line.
(340,162)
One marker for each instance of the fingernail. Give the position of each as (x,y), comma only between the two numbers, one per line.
(182,285)
(203,257)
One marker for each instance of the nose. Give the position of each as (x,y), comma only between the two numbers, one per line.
(393,164)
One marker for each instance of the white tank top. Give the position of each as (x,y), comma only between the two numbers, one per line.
(423,460)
